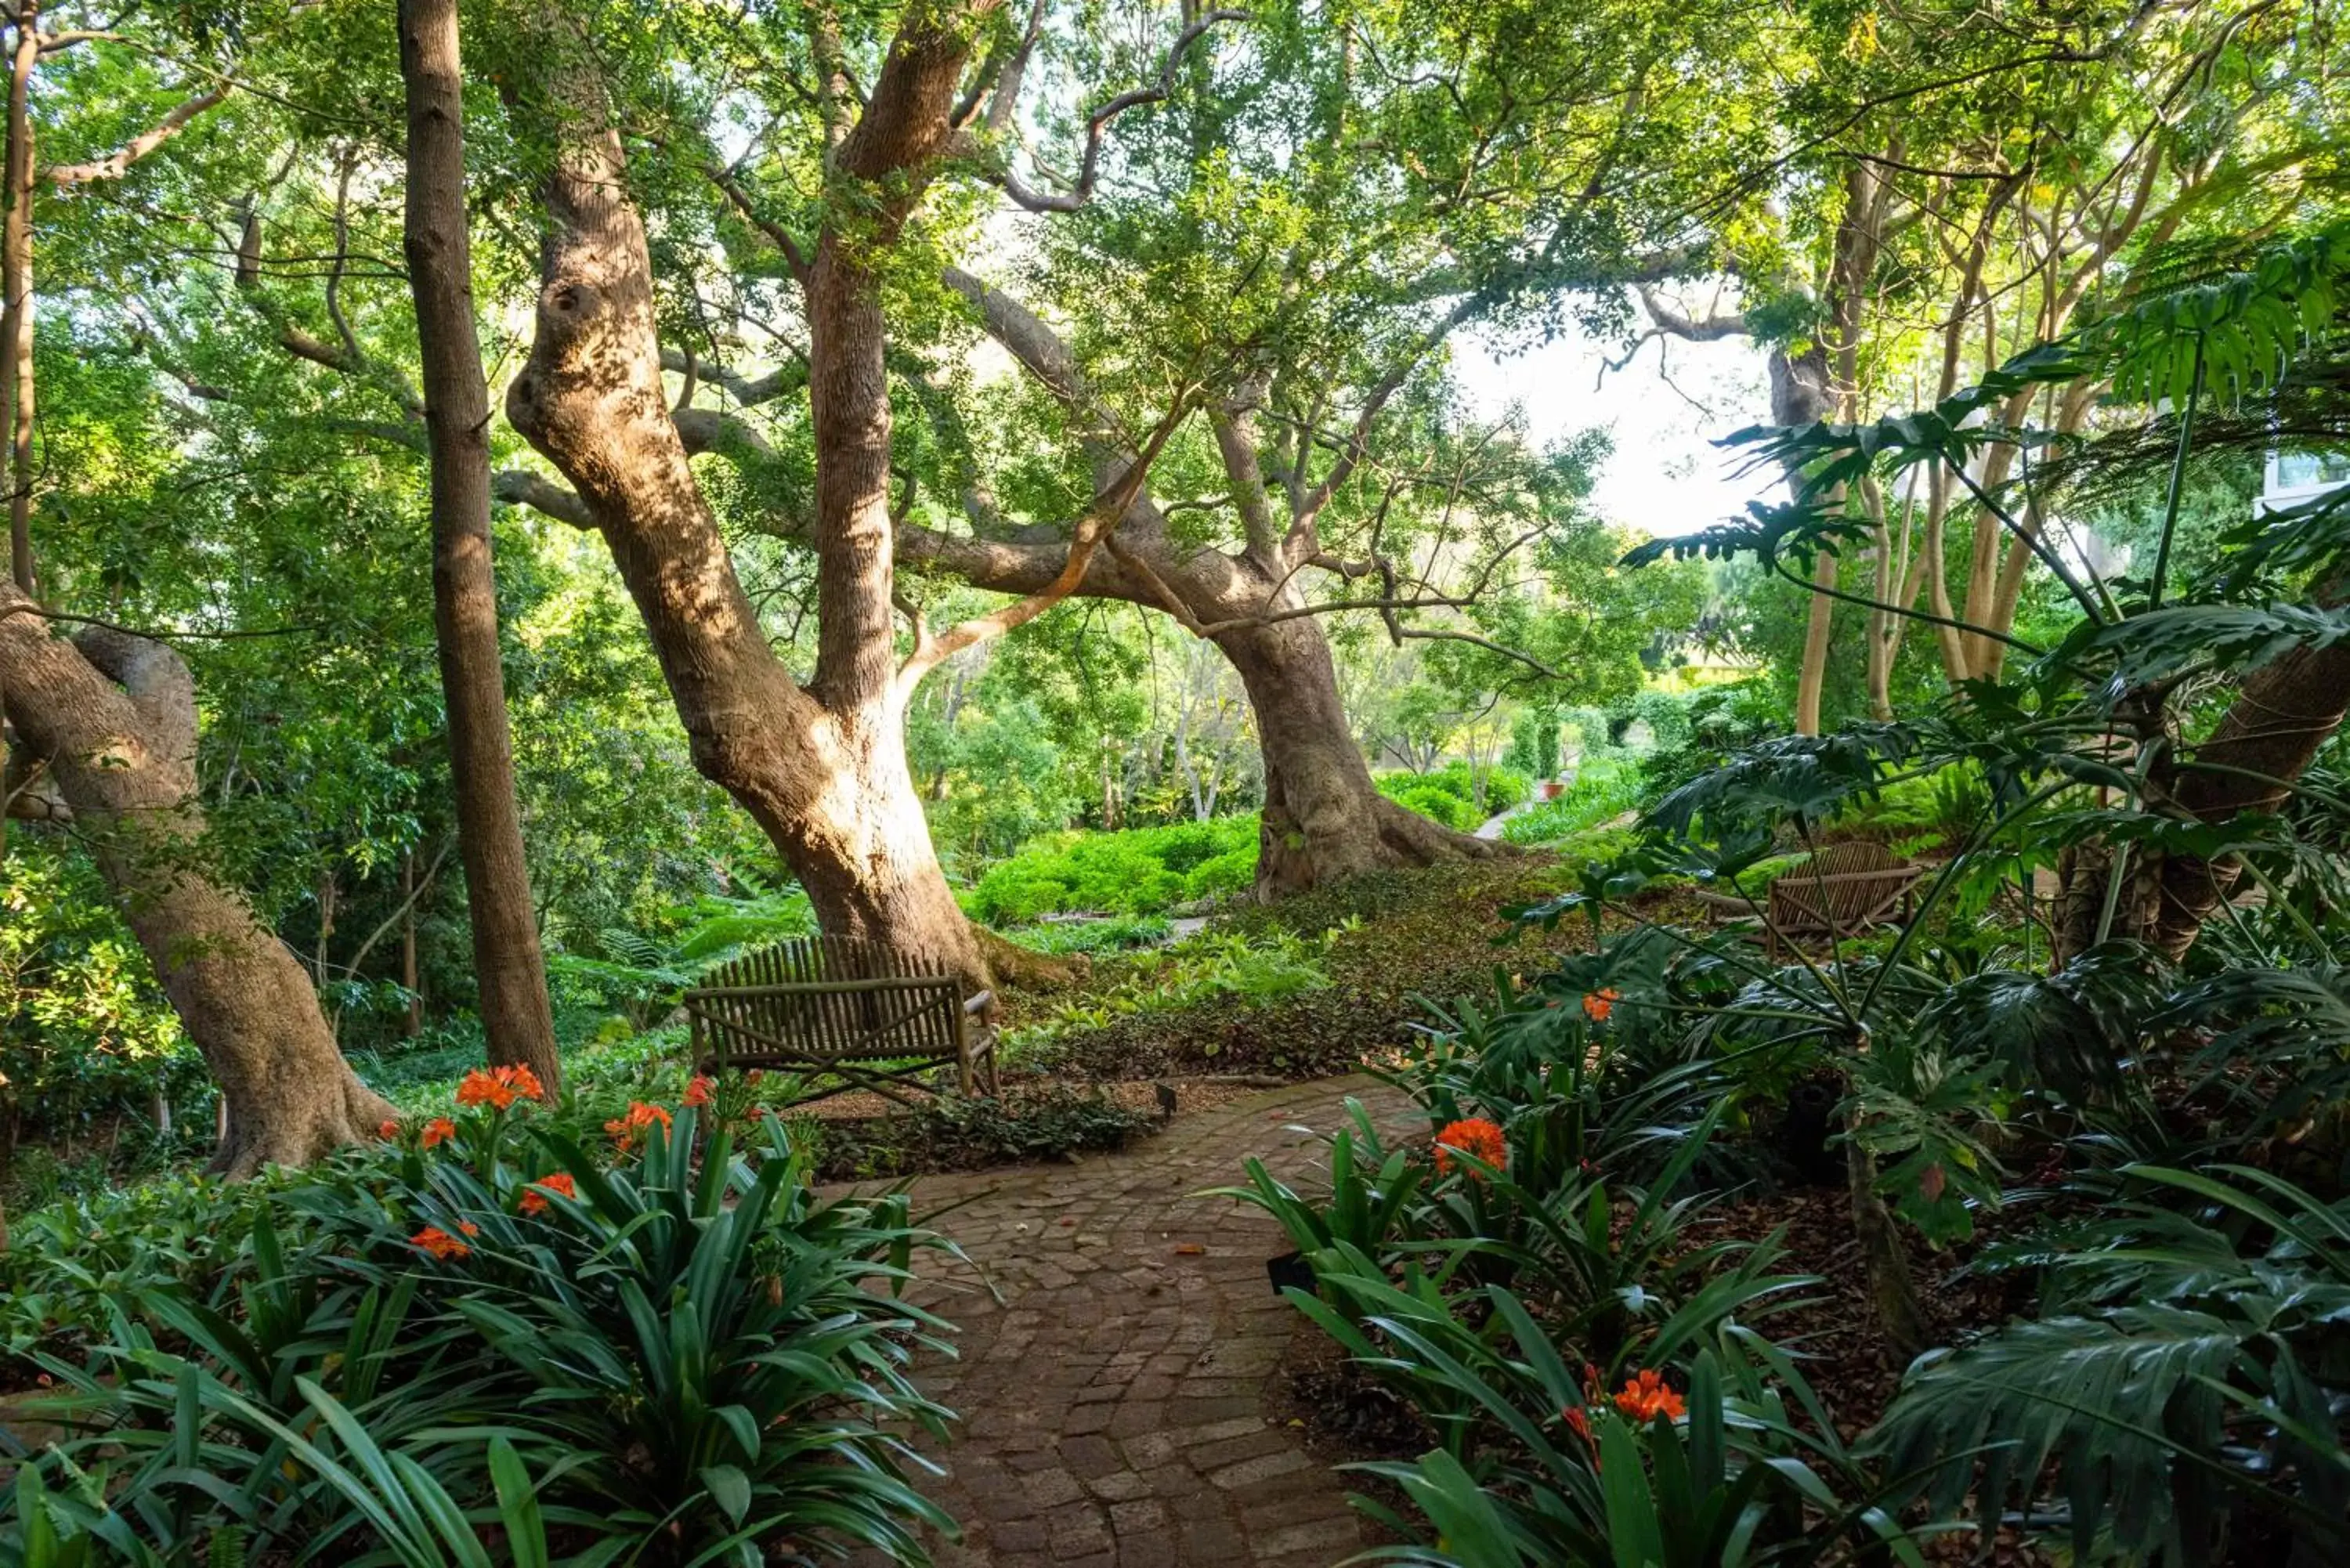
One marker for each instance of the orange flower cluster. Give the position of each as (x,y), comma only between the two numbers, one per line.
(1475,1137)
(533,1197)
(701,1092)
(388,1128)
(625,1130)
(442,1245)
(1646,1397)
(1600,1004)
(500,1088)
(440,1130)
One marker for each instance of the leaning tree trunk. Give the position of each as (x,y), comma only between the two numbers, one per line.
(1324,820)
(822,769)
(2282,714)
(507,962)
(115,718)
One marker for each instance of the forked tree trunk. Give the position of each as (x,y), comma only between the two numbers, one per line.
(115,717)
(822,769)
(512,972)
(1324,819)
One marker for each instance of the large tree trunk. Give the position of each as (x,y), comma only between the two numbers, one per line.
(822,769)
(507,963)
(1324,819)
(2282,714)
(115,718)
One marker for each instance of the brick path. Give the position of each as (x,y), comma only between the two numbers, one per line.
(1113,1405)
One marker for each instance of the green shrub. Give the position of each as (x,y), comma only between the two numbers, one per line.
(1450,796)
(1433,801)
(691,1355)
(1141,871)
(1227,876)
(89,1045)
(1262,971)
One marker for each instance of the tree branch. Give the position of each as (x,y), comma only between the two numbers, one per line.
(520,487)
(1109,506)
(1089,165)
(1708,329)
(748,391)
(114,165)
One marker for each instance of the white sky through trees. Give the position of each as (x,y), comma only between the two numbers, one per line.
(1665,476)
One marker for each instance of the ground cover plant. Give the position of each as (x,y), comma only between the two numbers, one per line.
(650,1343)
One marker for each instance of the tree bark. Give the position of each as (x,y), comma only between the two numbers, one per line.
(1800,395)
(512,972)
(16,288)
(1324,819)
(115,718)
(2282,714)
(821,769)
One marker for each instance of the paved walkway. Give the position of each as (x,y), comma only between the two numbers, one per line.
(1114,1403)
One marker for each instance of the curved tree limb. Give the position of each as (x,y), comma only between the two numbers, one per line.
(1090,162)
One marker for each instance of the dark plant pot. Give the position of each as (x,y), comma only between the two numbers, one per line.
(1553,789)
(1289,1271)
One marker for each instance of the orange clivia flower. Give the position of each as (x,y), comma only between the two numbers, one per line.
(640,1117)
(523,1081)
(439,1243)
(500,1088)
(388,1128)
(1577,1421)
(1646,1397)
(469,1227)
(480,1089)
(533,1197)
(699,1092)
(440,1130)
(1600,1004)
(1475,1137)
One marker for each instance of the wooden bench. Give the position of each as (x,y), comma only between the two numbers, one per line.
(844,1008)
(1845,889)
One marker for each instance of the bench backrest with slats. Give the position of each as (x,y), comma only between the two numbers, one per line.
(1845,887)
(825,999)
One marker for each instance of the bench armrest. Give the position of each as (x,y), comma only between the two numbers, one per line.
(974,1005)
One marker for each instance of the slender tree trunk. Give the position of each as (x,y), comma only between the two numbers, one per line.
(17,288)
(410,981)
(1800,395)
(115,716)
(1324,819)
(1811,682)
(512,972)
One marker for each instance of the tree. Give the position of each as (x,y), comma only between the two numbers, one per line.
(821,765)
(1473,165)
(516,1014)
(1951,195)
(113,717)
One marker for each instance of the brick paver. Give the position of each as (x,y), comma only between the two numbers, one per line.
(1114,1397)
